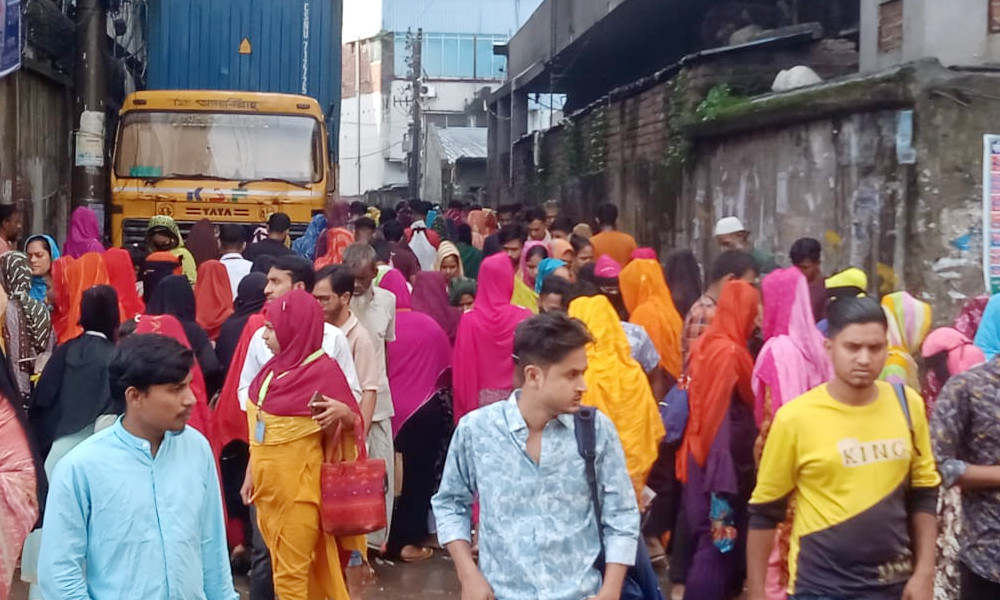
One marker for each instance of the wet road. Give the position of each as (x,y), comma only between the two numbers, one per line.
(433,579)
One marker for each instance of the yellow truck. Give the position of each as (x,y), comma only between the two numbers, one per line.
(235,157)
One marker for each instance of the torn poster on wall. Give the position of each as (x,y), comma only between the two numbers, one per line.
(991,212)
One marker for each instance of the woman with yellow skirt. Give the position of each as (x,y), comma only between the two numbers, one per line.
(297,402)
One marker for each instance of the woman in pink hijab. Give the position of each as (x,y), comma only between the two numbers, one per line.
(84,233)
(483,370)
(419,365)
(792,362)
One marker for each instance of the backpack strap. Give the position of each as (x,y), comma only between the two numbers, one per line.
(585,421)
(901,396)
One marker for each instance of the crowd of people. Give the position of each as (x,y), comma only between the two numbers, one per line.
(557,407)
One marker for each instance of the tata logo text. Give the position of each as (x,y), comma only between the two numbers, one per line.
(216,211)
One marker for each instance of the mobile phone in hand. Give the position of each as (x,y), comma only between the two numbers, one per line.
(314,407)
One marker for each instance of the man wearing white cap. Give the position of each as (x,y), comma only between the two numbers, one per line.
(730,234)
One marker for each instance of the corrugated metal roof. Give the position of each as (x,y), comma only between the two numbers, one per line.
(457,16)
(463,142)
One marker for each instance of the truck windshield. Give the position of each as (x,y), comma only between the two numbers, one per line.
(242,147)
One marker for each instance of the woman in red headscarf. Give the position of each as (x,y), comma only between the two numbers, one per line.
(715,460)
(213,297)
(299,381)
(121,273)
(201,415)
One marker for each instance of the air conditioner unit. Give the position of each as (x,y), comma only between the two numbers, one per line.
(428,91)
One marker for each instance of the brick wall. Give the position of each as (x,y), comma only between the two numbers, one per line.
(623,149)
(890,26)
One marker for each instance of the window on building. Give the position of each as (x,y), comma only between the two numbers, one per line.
(994,16)
(890,26)
(451,55)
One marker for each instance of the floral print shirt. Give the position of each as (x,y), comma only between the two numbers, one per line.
(965,429)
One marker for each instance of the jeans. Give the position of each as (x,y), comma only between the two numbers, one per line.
(975,587)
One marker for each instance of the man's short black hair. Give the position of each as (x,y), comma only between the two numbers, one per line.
(382,251)
(463,234)
(232,235)
(301,269)
(732,262)
(607,214)
(392,230)
(365,223)
(547,339)
(147,359)
(578,242)
(7,211)
(388,214)
(562,223)
(805,249)
(511,232)
(341,280)
(279,223)
(534,213)
(358,209)
(554,285)
(845,312)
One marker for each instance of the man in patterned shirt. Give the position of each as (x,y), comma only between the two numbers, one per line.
(730,265)
(965,433)
(538,534)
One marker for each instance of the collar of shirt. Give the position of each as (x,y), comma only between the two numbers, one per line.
(232,256)
(96,334)
(515,420)
(142,445)
(349,325)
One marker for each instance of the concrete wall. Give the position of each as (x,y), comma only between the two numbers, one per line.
(819,162)
(35,159)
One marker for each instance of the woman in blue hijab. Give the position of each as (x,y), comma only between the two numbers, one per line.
(547,267)
(305,246)
(42,251)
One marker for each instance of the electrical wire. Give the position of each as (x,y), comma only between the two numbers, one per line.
(386,149)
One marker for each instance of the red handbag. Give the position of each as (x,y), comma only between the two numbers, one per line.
(353,492)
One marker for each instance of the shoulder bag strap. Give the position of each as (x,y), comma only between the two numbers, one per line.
(586,443)
(901,396)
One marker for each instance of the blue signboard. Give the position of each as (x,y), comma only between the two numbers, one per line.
(10,36)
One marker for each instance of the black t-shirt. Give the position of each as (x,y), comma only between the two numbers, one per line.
(268,246)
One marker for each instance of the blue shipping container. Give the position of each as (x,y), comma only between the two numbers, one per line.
(288,46)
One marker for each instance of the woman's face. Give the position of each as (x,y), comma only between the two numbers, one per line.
(162,242)
(39,258)
(449,267)
(466,302)
(583,258)
(271,340)
(531,265)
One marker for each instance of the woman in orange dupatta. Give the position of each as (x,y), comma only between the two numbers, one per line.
(650,304)
(213,297)
(715,460)
(71,277)
(298,397)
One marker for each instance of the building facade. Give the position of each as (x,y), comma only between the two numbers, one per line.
(458,71)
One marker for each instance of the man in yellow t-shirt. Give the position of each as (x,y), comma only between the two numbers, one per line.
(856,457)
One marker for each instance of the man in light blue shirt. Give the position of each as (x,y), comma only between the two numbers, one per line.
(538,534)
(136,511)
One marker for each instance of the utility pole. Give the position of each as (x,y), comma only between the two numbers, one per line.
(416,84)
(90,177)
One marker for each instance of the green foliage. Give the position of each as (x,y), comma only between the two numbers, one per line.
(720,99)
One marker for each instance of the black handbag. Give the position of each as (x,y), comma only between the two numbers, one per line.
(641,582)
